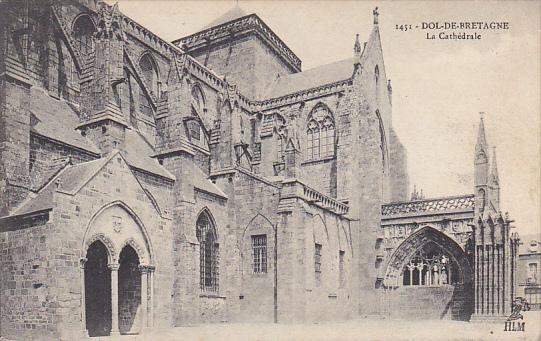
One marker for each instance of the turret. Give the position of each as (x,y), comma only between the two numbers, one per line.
(357,49)
(101,117)
(494,183)
(481,169)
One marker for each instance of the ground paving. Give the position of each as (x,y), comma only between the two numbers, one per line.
(369,329)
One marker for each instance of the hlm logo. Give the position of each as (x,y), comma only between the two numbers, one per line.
(519,304)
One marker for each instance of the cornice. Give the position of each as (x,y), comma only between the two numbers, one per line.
(303,95)
(241,25)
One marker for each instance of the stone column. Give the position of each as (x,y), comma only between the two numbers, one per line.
(82,262)
(144,296)
(114,299)
(151,270)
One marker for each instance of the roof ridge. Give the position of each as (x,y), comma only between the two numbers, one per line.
(430,199)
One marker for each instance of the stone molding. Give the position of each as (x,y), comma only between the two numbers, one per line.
(247,23)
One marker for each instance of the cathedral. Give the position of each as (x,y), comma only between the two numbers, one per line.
(148,184)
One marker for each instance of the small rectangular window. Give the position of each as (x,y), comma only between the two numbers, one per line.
(317,262)
(259,253)
(342,277)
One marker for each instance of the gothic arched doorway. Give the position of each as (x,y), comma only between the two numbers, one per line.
(118,286)
(429,276)
(129,291)
(97,290)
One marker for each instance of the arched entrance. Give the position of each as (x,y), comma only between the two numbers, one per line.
(429,276)
(118,286)
(97,290)
(129,291)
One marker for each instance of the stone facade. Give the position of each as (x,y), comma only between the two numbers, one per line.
(528,264)
(147,184)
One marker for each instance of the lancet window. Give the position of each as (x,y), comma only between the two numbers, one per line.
(150,72)
(83,29)
(208,253)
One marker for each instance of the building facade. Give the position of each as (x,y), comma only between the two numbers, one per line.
(147,184)
(528,266)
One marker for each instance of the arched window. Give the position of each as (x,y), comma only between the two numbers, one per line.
(482,200)
(208,253)
(150,72)
(320,133)
(376,74)
(83,29)
(198,100)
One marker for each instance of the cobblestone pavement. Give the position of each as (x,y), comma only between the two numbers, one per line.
(360,329)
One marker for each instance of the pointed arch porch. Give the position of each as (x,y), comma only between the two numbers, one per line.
(116,229)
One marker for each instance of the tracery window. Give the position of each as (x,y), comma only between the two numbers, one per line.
(320,134)
(150,72)
(208,253)
(430,269)
(259,253)
(83,29)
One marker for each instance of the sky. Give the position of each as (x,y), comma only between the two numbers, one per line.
(439,86)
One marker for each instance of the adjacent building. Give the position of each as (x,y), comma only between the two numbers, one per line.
(529,263)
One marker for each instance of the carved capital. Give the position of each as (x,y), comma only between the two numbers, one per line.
(113,267)
(144,268)
(82,262)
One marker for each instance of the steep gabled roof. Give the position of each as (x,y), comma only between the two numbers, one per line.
(137,153)
(311,78)
(201,182)
(68,180)
(56,119)
(233,14)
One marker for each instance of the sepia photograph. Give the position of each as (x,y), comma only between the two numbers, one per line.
(270,170)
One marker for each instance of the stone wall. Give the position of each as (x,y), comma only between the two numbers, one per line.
(253,299)
(15,144)
(246,62)
(429,303)
(28,256)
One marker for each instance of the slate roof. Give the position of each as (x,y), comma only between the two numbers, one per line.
(311,78)
(75,176)
(57,120)
(137,153)
(454,203)
(41,202)
(233,14)
(201,181)
(71,178)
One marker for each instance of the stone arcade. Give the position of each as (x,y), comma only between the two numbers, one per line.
(147,184)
